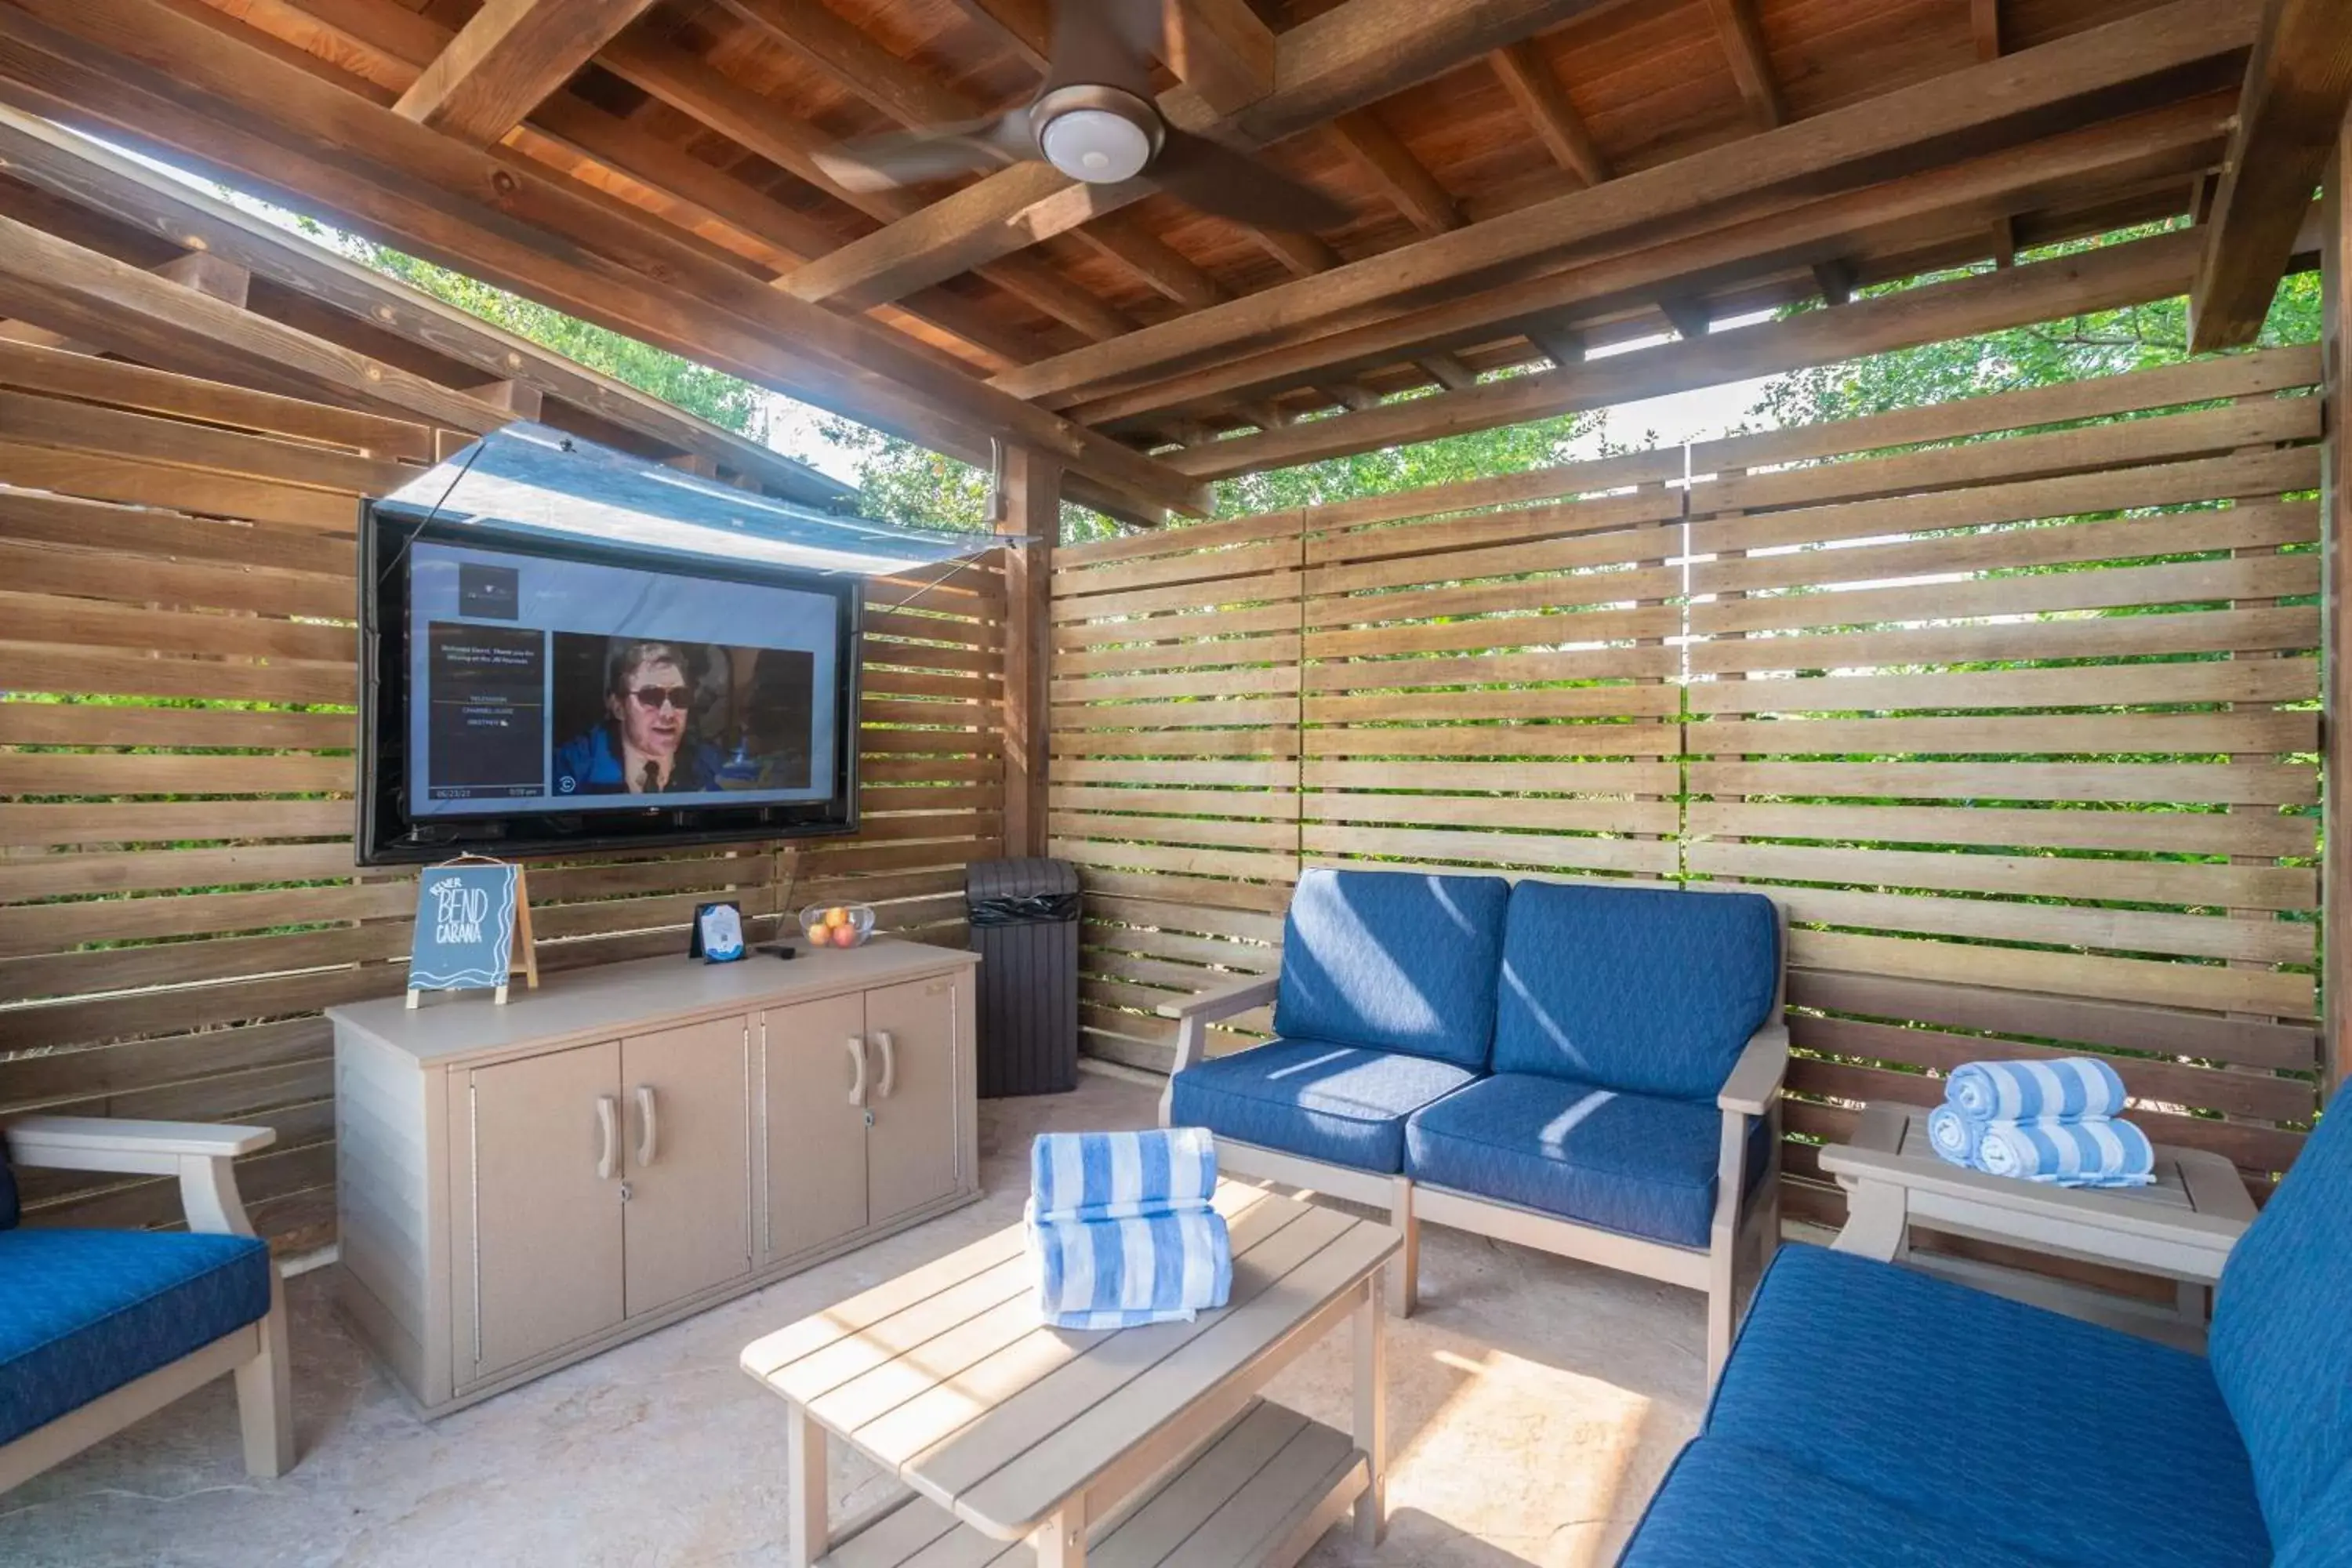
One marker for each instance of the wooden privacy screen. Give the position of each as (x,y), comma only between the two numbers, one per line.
(2017,711)
(177,893)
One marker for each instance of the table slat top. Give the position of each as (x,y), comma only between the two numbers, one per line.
(946,1376)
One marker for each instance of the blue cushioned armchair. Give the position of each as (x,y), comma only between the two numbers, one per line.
(1588,1068)
(99,1328)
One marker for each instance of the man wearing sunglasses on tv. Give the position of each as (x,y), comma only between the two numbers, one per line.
(646,744)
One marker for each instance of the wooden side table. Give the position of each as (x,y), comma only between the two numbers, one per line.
(2180,1228)
(1026,1444)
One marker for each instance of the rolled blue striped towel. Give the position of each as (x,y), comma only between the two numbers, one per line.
(1117,1175)
(2096,1153)
(1122,1273)
(2068,1088)
(1954,1134)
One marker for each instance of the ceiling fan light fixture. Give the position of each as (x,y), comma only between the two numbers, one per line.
(1097,134)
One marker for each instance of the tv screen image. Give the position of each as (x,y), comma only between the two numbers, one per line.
(529,697)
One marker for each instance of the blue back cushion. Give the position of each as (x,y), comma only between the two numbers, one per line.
(1393,961)
(1645,989)
(2280,1346)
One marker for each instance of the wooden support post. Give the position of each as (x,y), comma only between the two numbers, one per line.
(1030,516)
(209,274)
(522,401)
(2336,598)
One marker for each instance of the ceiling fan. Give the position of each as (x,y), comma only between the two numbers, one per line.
(1094,120)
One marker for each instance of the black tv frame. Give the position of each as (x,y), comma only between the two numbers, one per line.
(388,835)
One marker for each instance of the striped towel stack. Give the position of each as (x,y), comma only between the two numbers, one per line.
(2041,1121)
(1122,1230)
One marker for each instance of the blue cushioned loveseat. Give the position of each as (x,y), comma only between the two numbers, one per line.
(98,1327)
(1584,1068)
(1876,1417)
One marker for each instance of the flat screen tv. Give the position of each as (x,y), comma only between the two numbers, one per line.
(523,694)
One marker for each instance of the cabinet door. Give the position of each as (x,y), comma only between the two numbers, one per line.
(817,1122)
(686,1107)
(547,1225)
(912,1155)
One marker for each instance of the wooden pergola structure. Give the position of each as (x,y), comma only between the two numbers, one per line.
(1531,183)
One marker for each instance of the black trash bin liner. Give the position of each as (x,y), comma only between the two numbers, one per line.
(1024,926)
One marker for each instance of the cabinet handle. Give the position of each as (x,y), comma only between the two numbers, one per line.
(857,1065)
(889,1063)
(608,1123)
(648,1140)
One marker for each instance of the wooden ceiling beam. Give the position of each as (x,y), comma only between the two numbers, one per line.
(144,71)
(1699,250)
(1836,277)
(2297,88)
(2098,279)
(2187,45)
(1392,166)
(769,130)
(1751,64)
(1687,314)
(511,56)
(389,41)
(914,98)
(1536,89)
(99,181)
(1221,50)
(1984,25)
(143,306)
(1343,58)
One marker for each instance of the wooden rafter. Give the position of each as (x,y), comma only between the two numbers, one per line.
(1857,145)
(1401,176)
(1343,58)
(1536,90)
(2181,137)
(508,57)
(2298,86)
(1221,50)
(102,182)
(2098,279)
(1752,64)
(1984,25)
(139,67)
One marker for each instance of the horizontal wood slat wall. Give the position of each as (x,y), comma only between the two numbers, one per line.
(2013,700)
(177,892)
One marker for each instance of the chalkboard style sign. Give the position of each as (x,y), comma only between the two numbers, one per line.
(473,923)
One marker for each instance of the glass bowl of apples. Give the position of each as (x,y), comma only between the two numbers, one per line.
(838,925)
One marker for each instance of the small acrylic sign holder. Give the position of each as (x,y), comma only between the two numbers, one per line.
(520,945)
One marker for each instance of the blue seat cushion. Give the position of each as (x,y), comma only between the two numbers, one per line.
(82,1313)
(1725,1505)
(2280,1346)
(1630,1163)
(1644,989)
(1341,1104)
(1984,1416)
(1393,961)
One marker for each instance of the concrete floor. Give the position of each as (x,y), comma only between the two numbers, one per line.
(1534,1403)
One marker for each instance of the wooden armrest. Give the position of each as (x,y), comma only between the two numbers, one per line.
(1239,995)
(1756,1076)
(99,1142)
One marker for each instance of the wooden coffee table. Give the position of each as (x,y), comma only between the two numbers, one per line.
(1143,1446)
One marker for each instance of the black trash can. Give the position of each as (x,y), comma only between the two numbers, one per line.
(1024,926)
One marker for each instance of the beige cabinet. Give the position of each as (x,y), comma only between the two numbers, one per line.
(687,1200)
(911,1151)
(542,1141)
(817,1076)
(523,1185)
(864,1092)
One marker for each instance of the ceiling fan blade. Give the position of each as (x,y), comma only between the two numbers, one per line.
(912,157)
(1215,179)
(1106,43)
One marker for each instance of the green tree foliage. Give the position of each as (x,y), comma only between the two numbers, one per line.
(724,400)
